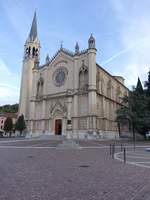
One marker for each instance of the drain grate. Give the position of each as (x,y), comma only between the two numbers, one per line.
(84,166)
(30,156)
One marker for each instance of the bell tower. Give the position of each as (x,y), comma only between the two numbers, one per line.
(30,61)
(32,44)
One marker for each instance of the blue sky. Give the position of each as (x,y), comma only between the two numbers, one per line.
(121,29)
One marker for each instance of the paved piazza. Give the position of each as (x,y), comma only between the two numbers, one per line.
(41,170)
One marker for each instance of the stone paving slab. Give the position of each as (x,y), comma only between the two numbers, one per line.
(68,174)
(32,143)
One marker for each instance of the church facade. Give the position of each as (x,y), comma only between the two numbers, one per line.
(70,94)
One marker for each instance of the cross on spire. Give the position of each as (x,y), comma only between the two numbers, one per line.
(61,44)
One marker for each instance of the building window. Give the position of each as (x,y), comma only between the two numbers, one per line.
(118,94)
(83,78)
(27,51)
(102,85)
(68,121)
(40,85)
(109,89)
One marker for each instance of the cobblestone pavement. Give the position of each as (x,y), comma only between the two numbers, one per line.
(139,157)
(68,174)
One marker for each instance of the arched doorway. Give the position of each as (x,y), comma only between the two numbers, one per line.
(58,126)
(58,119)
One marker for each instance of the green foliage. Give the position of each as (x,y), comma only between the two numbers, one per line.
(20,124)
(8,125)
(136,110)
(139,89)
(9,108)
(147,85)
(147,92)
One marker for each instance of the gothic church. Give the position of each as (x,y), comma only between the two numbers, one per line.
(69,95)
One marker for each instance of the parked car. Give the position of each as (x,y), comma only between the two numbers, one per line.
(147,134)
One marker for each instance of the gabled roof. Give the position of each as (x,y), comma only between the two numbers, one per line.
(65,51)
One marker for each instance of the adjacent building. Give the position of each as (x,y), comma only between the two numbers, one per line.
(4,116)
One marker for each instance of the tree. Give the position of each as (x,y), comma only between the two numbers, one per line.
(147,85)
(20,124)
(135,110)
(147,91)
(139,88)
(126,114)
(8,125)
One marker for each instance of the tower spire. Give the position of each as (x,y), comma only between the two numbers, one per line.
(32,45)
(33,31)
(77,48)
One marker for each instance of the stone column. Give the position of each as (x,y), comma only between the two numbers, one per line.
(45,76)
(31,127)
(64,125)
(69,106)
(33,98)
(43,115)
(75,98)
(50,127)
(104,113)
(92,81)
(32,115)
(92,96)
(75,110)
(103,107)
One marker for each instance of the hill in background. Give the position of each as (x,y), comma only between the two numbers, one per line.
(9,108)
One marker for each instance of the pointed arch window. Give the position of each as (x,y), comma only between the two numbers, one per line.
(83,78)
(118,94)
(40,85)
(33,51)
(29,50)
(27,53)
(102,85)
(109,89)
(36,52)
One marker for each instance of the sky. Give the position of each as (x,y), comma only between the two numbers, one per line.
(121,29)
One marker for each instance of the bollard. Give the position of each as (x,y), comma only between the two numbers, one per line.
(121,146)
(113,150)
(134,145)
(114,147)
(124,155)
(110,149)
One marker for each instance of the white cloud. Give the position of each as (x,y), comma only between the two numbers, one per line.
(17,16)
(123,51)
(3,68)
(8,91)
(8,95)
(134,38)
